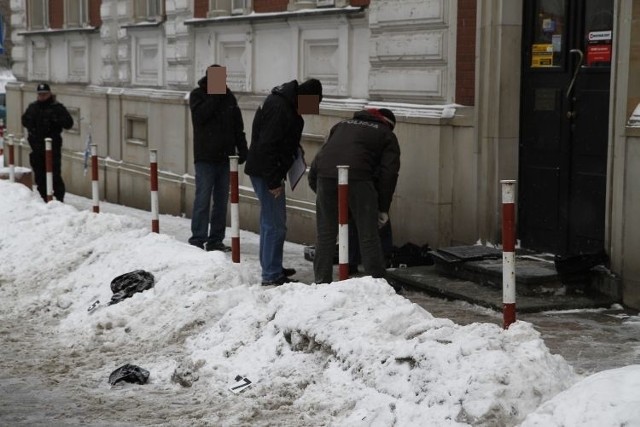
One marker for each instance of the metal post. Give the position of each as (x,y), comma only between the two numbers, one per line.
(1,137)
(153,170)
(343,222)
(48,159)
(12,167)
(235,215)
(95,188)
(508,253)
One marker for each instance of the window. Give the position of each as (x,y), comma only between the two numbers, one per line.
(38,14)
(136,130)
(310,4)
(240,7)
(75,115)
(76,13)
(228,7)
(148,10)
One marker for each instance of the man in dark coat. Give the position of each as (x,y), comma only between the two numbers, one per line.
(275,143)
(366,143)
(45,118)
(218,132)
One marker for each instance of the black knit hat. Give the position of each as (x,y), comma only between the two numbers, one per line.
(389,117)
(311,87)
(43,88)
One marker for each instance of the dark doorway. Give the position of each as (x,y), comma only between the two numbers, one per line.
(564,122)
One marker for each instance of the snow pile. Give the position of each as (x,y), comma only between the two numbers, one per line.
(351,353)
(608,398)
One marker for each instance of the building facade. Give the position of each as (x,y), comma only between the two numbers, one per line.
(479,89)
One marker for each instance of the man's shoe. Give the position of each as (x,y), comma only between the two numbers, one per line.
(279,281)
(218,246)
(288,272)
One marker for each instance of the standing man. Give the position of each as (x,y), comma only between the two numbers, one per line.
(369,147)
(275,144)
(45,118)
(218,132)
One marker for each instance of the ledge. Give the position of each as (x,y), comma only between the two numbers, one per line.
(56,31)
(278,16)
(143,24)
(632,131)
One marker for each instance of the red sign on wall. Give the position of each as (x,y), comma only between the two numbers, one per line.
(598,54)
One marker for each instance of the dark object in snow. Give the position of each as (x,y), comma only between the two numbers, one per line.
(93,306)
(125,285)
(129,373)
(410,255)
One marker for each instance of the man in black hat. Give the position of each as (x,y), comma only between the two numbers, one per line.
(366,143)
(275,144)
(218,132)
(45,118)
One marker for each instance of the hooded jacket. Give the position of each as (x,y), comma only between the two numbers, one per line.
(46,119)
(275,138)
(218,128)
(369,147)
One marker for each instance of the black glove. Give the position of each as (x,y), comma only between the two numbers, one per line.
(242,156)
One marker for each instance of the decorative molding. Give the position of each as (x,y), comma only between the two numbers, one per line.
(320,59)
(78,61)
(39,69)
(147,50)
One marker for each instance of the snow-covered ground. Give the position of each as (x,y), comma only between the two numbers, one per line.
(345,354)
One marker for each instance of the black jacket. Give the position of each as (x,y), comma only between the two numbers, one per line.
(218,128)
(276,132)
(370,149)
(46,119)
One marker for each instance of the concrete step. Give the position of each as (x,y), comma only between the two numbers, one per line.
(431,281)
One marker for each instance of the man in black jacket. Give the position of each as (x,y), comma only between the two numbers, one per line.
(45,118)
(218,132)
(275,143)
(366,143)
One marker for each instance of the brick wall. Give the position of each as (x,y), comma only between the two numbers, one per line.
(261,6)
(466,52)
(56,13)
(94,13)
(200,8)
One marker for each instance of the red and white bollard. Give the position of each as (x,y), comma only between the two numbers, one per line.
(153,171)
(343,222)
(1,137)
(95,188)
(48,160)
(235,213)
(508,253)
(12,167)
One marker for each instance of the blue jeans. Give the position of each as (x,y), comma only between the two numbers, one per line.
(273,229)
(209,225)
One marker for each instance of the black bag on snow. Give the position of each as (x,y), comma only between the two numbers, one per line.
(129,373)
(125,285)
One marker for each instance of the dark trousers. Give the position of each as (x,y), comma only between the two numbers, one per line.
(209,225)
(363,204)
(386,240)
(38,165)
